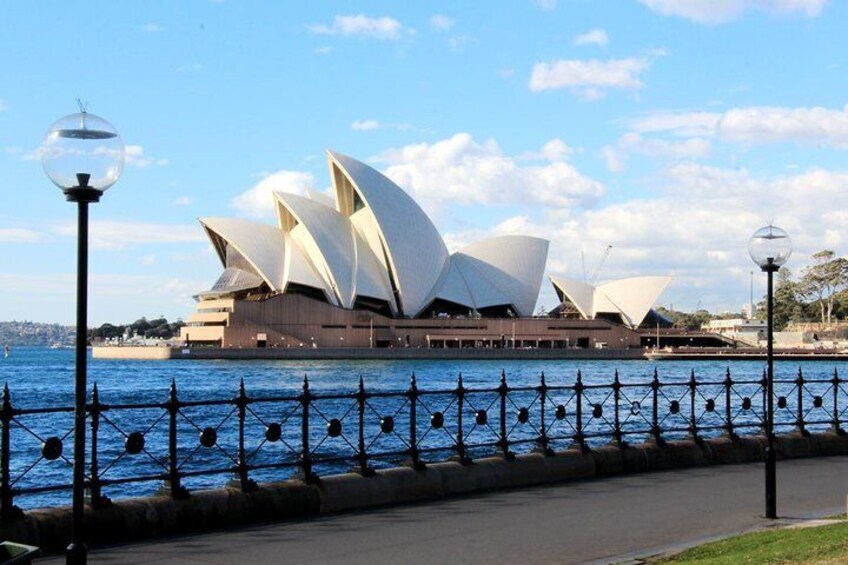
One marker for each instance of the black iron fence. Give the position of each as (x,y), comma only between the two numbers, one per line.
(180,443)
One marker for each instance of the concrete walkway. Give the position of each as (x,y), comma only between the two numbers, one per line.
(600,520)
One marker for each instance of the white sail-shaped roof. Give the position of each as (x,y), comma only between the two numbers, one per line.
(372,246)
(328,237)
(454,288)
(263,246)
(513,264)
(581,294)
(270,251)
(630,298)
(415,254)
(347,264)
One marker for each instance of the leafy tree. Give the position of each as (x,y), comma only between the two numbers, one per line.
(787,306)
(822,281)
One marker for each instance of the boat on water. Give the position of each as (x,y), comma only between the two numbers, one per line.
(6,351)
(740,353)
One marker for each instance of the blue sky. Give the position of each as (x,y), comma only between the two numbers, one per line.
(669,129)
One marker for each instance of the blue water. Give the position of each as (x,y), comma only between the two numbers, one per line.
(40,377)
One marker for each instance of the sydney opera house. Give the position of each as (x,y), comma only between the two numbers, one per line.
(367,268)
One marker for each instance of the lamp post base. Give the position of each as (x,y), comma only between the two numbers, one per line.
(76,554)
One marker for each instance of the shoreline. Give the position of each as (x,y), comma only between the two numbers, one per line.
(350,353)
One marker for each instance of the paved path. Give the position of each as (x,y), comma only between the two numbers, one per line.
(596,520)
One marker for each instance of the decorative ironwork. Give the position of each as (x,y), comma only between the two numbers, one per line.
(179,442)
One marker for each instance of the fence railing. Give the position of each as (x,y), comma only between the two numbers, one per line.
(180,444)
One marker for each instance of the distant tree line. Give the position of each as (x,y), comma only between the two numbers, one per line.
(159,328)
(820,294)
(693,320)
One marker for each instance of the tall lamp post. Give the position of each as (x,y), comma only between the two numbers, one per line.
(83,155)
(770,248)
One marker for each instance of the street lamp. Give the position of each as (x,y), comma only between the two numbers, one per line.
(770,248)
(83,155)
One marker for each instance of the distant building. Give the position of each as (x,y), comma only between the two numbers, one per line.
(750,332)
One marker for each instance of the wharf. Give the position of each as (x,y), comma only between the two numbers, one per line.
(744,354)
(351,353)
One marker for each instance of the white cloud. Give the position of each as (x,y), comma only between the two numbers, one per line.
(633,143)
(365,125)
(461,170)
(116,234)
(183,201)
(459,42)
(135,158)
(703,246)
(554,150)
(589,78)
(506,73)
(3,106)
(441,23)
(151,28)
(755,124)
(595,36)
(19,235)
(324,50)
(719,11)
(546,5)
(259,201)
(148,259)
(360,25)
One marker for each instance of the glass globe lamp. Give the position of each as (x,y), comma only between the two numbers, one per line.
(83,151)
(770,247)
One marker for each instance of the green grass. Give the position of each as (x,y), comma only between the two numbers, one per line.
(820,545)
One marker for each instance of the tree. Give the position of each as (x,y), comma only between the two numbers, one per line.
(823,280)
(787,306)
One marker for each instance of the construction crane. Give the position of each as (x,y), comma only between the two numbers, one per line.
(597,270)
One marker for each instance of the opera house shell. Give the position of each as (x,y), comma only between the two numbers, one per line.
(625,301)
(367,268)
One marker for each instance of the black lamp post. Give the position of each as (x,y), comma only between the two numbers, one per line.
(770,248)
(83,155)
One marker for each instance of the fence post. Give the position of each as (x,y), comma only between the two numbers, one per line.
(503,391)
(579,438)
(693,419)
(764,386)
(460,434)
(799,419)
(728,408)
(837,427)
(8,511)
(414,455)
(617,436)
(172,482)
(656,433)
(95,494)
(305,456)
(543,442)
(361,455)
(242,468)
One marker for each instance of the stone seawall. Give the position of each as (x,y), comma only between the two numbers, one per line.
(348,353)
(140,518)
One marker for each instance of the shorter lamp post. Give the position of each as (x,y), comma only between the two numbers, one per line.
(770,248)
(83,155)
